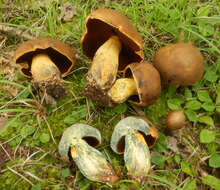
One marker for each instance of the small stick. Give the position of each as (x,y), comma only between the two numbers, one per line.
(51,134)
(15,32)
(21,176)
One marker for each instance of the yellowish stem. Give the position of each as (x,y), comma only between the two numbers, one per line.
(43,68)
(73,152)
(140,137)
(105,63)
(122,90)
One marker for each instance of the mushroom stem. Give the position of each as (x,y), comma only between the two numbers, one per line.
(122,90)
(105,63)
(47,77)
(43,68)
(136,156)
(92,163)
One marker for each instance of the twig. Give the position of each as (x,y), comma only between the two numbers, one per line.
(21,176)
(51,134)
(15,32)
(6,152)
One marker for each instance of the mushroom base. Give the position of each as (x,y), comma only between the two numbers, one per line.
(96,94)
(53,89)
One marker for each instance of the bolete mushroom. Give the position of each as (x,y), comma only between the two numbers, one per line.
(175,120)
(133,136)
(46,60)
(112,42)
(77,143)
(141,85)
(179,64)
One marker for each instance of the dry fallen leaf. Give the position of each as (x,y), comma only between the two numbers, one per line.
(3,120)
(67,11)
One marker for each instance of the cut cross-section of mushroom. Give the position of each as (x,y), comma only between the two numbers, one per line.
(140,85)
(78,141)
(112,42)
(46,60)
(133,136)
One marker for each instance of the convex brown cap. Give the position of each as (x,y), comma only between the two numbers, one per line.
(148,83)
(104,23)
(179,64)
(60,53)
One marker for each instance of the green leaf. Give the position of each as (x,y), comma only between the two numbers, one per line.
(65,172)
(175,103)
(211,75)
(161,145)
(206,29)
(218,109)
(187,93)
(36,187)
(203,96)
(44,138)
(207,136)
(27,130)
(185,166)
(77,114)
(171,91)
(214,161)
(211,181)
(191,115)
(207,120)
(203,11)
(120,108)
(193,105)
(208,106)
(190,185)
(157,159)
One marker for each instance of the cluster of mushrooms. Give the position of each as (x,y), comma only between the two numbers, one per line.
(114,46)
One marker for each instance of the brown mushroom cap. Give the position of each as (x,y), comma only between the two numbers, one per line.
(60,53)
(101,25)
(148,83)
(180,64)
(175,120)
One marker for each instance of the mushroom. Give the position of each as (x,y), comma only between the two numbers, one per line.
(46,60)
(140,85)
(175,120)
(133,136)
(112,42)
(77,143)
(179,64)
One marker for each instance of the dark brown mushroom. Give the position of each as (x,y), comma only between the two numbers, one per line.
(46,60)
(179,64)
(112,42)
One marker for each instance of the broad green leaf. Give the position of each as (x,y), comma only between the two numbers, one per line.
(210,75)
(207,136)
(207,120)
(171,91)
(208,106)
(187,93)
(203,96)
(175,103)
(211,181)
(191,115)
(27,130)
(190,185)
(159,160)
(214,161)
(193,105)
(120,108)
(206,29)
(218,109)
(44,138)
(185,167)
(161,145)
(65,172)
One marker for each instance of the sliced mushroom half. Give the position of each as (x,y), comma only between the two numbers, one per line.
(78,142)
(133,136)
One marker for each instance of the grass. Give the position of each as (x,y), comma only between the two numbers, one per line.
(33,131)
